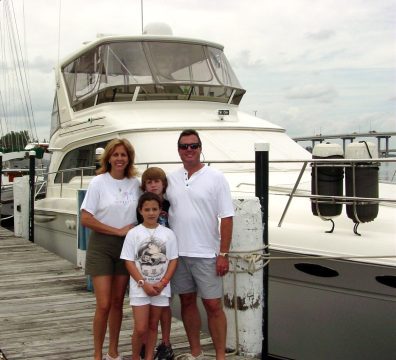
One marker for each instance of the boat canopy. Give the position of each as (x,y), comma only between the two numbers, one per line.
(143,70)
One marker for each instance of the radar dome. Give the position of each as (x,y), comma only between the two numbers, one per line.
(157,29)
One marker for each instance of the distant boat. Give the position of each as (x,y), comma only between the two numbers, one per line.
(147,89)
(16,164)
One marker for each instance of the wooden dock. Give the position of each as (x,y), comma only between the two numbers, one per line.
(46,311)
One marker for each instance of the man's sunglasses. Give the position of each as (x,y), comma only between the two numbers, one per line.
(193,146)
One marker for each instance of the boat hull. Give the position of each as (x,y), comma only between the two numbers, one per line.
(56,232)
(313,315)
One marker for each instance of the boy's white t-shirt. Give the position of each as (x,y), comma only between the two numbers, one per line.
(151,250)
(113,202)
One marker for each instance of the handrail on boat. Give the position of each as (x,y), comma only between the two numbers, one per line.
(315,163)
(332,199)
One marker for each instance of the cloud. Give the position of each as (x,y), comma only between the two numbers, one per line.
(244,59)
(320,35)
(306,65)
(41,64)
(321,93)
(5,66)
(297,120)
(378,121)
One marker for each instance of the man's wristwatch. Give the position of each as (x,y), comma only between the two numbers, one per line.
(224,254)
(140,283)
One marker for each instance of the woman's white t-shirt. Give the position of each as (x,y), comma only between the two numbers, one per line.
(112,202)
(151,250)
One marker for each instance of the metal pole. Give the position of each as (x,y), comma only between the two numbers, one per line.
(1,175)
(261,170)
(32,174)
(292,193)
(386,146)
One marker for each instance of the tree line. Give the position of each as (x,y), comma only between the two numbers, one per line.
(14,141)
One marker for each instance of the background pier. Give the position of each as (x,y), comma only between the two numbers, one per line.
(383,149)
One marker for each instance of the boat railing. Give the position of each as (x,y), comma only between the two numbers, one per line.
(83,171)
(315,164)
(333,199)
(40,177)
(293,193)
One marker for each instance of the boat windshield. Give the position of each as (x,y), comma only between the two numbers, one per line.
(151,70)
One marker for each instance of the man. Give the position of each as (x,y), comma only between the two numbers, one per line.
(199,195)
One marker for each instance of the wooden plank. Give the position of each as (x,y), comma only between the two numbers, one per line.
(46,311)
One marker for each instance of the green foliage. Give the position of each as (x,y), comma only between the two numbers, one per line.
(14,141)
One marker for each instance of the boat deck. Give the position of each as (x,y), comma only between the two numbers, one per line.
(46,311)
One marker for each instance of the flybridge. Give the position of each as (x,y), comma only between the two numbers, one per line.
(143,69)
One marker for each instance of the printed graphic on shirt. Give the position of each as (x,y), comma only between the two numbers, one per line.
(125,197)
(152,259)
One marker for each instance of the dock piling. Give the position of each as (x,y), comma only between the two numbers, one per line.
(261,171)
(32,174)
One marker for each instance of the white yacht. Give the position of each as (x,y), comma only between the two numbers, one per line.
(148,88)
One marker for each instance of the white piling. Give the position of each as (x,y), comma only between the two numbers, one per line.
(245,292)
(21,206)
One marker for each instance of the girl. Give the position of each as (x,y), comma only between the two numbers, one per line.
(150,254)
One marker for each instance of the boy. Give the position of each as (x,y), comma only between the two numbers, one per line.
(150,254)
(154,180)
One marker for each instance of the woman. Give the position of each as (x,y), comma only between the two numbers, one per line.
(109,210)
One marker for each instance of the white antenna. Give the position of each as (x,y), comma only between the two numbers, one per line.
(141,11)
(59,29)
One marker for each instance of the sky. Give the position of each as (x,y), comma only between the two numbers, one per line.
(310,66)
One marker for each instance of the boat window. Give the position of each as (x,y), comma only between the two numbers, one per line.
(150,70)
(126,63)
(222,68)
(55,120)
(83,75)
(236,99)
(76,158)
(211,93)
(190,64)
(116,93)
(85,103)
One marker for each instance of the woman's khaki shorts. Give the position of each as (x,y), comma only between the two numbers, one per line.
(103,255)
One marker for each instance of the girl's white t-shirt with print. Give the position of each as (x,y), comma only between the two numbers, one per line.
(151,250)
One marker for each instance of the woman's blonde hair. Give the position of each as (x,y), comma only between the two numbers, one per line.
(130,170)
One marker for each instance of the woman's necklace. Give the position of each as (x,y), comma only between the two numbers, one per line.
(118,182)
(119,186)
